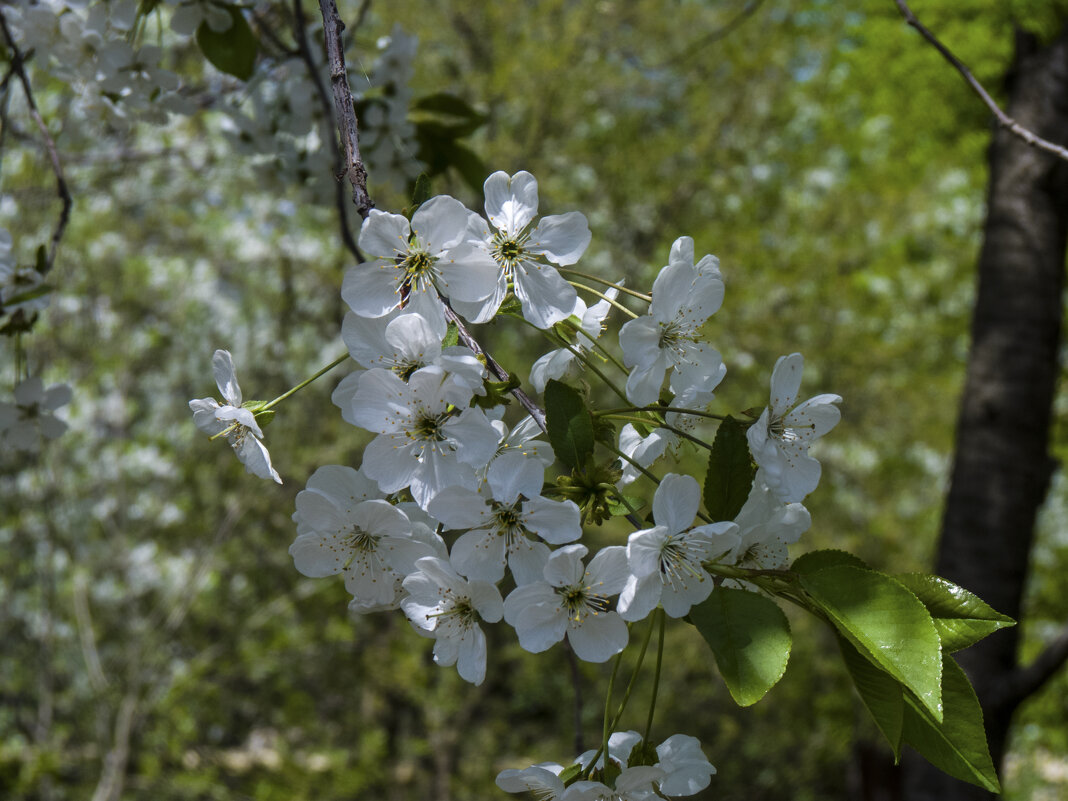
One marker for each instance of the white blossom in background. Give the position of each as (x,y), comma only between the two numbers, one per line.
(213,418)
(24,423)
(18,284)
(684,296)
(780,439)
(560,363)
(424,443)
(525,256)
(666,561)
(344,526)
(572,601)
(447,607)
(498,518)
(190,13)
(416,261)
(406,342)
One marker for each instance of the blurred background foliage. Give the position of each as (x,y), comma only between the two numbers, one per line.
(153,626)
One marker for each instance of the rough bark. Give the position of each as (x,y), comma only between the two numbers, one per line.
(1002,465)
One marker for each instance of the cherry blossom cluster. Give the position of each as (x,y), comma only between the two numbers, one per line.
(680,769)
(456,517)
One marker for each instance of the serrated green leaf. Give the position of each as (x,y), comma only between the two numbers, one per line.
(880,692)
(961,618)
(569,424)
(30,294)
(616,507)
(456,117)
(421,190)
(818,560)
(886,622)
(512,307)
(232,51)
(750,638)
(730,471)
(956,744)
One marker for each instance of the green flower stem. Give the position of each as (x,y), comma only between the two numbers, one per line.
(595,370)
(620,287)
(664,409)
(634,673)
(642,421)
(644,471)
(607,705)
(301,385)
(601,295)
(659,613)
(602,350)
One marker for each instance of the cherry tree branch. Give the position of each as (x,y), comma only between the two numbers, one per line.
(343,107)
(1003,119)
(304,50)
(357,175)
(18,67)
(1027,680)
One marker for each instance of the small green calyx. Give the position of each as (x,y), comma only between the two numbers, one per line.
(497,392)
(593,490)
(263,416)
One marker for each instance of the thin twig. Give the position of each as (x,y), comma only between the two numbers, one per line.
(57,168)
(712,36)
(304,50)
(344,109)
(1004,119)
(499,372)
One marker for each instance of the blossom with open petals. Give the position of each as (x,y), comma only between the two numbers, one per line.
(560,363)
(684,296)
(666,561)
(507,507)
(213,418)
(418,260)
(30,418)
(572,601)
(444,605)
(525,256)
(780,439)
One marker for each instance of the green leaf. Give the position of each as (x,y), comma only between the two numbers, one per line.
(956,744)
(886,622)
(29,294)
(457,117)
(750,638)
(512,307)
(880,692)
(232,51)
(616,507)
(421,190)
(818,560)
(730,471)
(962,618)
(569,424)
(452,336)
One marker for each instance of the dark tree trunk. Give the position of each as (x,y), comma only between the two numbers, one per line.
(1002,466)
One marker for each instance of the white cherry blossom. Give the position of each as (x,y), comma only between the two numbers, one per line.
(416,261)
(525,256)
(766,526)
(445,606)
(213,418)
(344,526)
(666,561)
(643,450)
(684,296)
(686,768)
(424,443)
(543,780)
(500,515)
(404,343)
(780,439)
(572,601)
(24,423)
